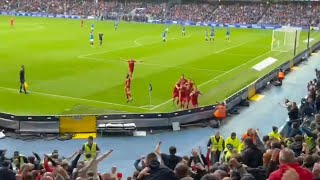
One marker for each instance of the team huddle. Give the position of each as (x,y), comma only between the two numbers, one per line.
(184,92)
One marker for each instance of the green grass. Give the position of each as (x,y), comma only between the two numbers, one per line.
(68,76)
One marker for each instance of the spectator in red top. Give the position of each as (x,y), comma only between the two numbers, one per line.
(287,160)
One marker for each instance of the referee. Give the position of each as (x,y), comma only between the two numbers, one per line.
(100,38)
(22,80)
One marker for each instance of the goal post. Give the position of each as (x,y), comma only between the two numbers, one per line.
(285,38)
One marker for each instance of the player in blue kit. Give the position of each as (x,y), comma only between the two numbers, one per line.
(115,25)
(212,35)
(164,35)
(91,38)
(92,27)
(183,31)
(207,35)
(228,34)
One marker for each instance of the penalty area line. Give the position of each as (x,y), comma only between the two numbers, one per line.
(74,98)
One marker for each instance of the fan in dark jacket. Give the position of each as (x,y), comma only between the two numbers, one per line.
(252,156)
(6,173)
(155,171)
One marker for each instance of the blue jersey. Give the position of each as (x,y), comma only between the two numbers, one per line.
(184,29)
(212,33)
(228,32)
(91,36)
(164,34)
(116,23)
(92,26)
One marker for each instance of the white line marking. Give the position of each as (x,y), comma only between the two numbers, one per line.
(152,64)
(74,98)
(136,44)
(206,82)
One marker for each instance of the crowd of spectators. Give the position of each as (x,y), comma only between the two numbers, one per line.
(239,13)
(245,13)
(292,14)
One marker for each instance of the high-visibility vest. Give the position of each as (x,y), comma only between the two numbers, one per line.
(310,142)
(234,142)
(227,156)
(216,145)
(281,75)
(274,135)
(92,151)
(220,112)
(20,160)
(241,147)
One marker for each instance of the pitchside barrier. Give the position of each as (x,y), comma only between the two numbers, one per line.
(88,123)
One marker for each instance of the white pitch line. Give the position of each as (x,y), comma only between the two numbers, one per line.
(136,44)
(74,98)
(206,82)
(152,64)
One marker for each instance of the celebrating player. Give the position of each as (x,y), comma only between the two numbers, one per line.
(176,89)
(194,97)
(228,34)
(131,64)
(12,23)
(100,38)
(91,38)
(164,34)
(183,31)
(127,88)
(189,89)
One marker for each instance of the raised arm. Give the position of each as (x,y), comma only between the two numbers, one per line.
(157,150)
(102,157)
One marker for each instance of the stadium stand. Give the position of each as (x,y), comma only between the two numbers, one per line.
(288,13)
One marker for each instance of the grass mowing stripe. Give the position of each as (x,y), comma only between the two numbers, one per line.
(74,98)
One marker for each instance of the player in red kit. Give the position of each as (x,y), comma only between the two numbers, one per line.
(127,88)
(183,95)
(12,23)
(194,95)
(189,89)
(175,94)
(131,64)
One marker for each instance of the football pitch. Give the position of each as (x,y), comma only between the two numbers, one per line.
(67,76)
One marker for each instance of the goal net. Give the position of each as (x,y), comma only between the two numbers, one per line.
(283,38)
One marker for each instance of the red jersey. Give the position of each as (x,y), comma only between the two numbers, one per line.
(12,21)
(182,82)
(128,83)
(131,63)
(183,91)
(194,96)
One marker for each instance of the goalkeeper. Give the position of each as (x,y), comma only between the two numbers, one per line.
(23,83)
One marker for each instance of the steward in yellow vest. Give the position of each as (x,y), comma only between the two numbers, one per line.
(216,146)
(90,149)
(19,159)
(233,140)
(275,134)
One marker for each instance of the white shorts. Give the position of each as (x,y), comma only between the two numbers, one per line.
(91,40)
(227,36)
(163,38)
